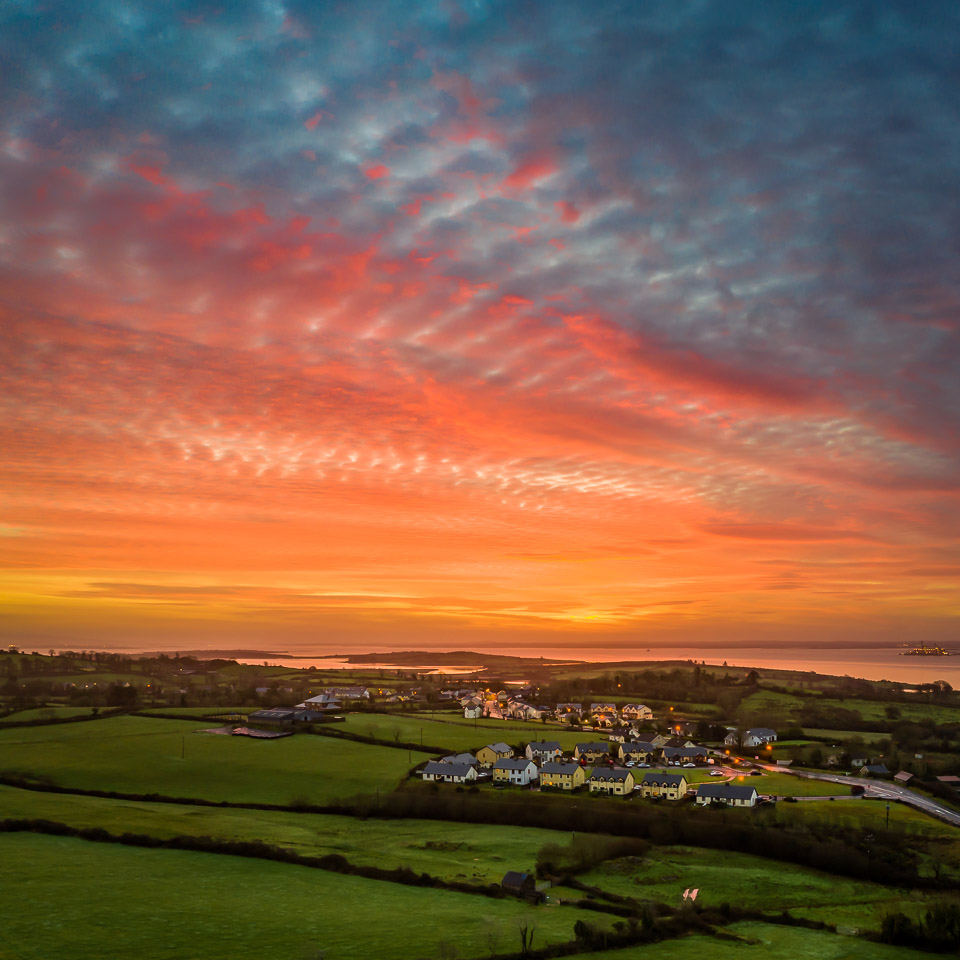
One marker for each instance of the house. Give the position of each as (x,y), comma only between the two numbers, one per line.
(608,708)
(467,758)
(472,710)
(536,711)
(754,737)
(274,718)
(684,754)
(542,750)
(903,778)
(569,712)
(516,771)
(950,781)
(487,756)
(616,781)
(637,751)
(636,711)
(662,740)
(731,793)
(348,693)
(521,710)
(519,884)
(874,770)
(671,786)
(492,709)
(592,752)
(449,772)
(562,776)
(323,703)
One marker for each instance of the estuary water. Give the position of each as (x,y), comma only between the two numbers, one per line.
(868,663)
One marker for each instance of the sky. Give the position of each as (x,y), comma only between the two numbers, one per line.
(489,325)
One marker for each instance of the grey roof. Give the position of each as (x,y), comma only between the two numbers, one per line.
(500,748)
(439,769)
(596,747)
(761,732)
(512,764)
(275,714)
(674,752)
(540,746)
(468,758)
(726,791)
(513,878)
(553,766)
(614,774)
(876,768)
(638,746)
(663,779)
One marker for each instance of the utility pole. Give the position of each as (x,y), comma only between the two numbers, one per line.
(888,814)
(183,748)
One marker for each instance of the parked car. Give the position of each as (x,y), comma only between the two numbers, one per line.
(716,773)
(643,764)
(755,773)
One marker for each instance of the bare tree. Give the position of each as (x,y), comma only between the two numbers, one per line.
(526,938)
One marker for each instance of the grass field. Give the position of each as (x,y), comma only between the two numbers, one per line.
(869,814)
(752,882)
(839,736)
(789,707)
(476,852)
(164,904)
(787,785)
(46,713)
(142,755)
(187,712)
(457,734)
(764,941)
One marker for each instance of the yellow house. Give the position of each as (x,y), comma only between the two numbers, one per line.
(592,752)
(616,781)
(637,750)
(670,786)
(487,756)
(562,776)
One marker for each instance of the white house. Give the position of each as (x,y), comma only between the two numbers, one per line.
(472,709)
(516,771)
(543,750)
(754,737)
(449,772)
(731,793)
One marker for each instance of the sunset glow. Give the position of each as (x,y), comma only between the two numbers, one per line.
(478,325)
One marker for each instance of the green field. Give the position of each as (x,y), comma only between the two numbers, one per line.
(457,734)
(839,736)
(751,882)
(476,852)
(47,713)
(197,711)
(788,785)
(169,905)
(869,814)
(142,755)
(763,941)
(787,708)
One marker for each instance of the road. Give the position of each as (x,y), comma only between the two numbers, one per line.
(879,788)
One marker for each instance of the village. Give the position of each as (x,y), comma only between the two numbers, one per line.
(637,757)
